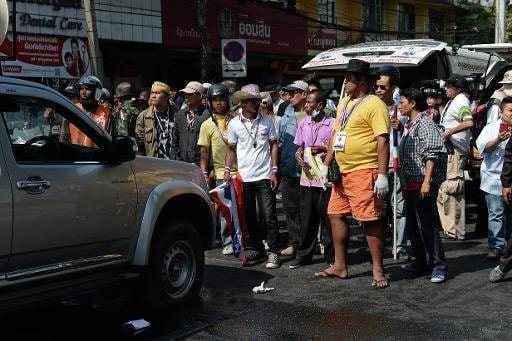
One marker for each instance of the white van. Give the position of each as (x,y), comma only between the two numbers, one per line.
(417,60)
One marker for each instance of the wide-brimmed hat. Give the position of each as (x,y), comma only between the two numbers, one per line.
(192,88)
(247,92)
(123,89)
(360,67)
(507,78)
(457,81)
(297,85)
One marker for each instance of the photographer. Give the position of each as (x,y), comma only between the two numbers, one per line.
(456,120)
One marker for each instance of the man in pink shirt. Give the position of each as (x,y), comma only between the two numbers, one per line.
(312,138)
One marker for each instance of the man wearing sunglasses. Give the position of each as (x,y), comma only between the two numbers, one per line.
(290,169)
(386,88)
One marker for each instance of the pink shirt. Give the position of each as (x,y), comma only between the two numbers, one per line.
(310,134)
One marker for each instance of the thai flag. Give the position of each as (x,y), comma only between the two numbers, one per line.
(229,198)
(394,148)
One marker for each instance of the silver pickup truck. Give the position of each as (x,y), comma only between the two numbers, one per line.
(74,216)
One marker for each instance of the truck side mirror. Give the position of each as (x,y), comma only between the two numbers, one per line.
(122,149)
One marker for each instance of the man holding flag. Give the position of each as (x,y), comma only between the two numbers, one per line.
(252,138)
(386,88)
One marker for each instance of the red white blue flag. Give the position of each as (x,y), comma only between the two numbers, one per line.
(229,199)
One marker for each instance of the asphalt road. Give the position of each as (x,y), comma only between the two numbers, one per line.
(466,307)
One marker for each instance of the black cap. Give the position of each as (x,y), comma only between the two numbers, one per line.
(361,67)
(457,81)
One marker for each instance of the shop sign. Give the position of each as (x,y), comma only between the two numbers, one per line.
(50,17)
(322,40)
(265,29)
(46,56)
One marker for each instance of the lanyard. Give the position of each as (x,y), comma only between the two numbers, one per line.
(254,143)
(441,121)
(345,115)
(159,121)
(216,123)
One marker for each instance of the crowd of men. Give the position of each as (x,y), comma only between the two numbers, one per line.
(284,142)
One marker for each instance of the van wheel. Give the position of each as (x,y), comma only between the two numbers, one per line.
(176,266)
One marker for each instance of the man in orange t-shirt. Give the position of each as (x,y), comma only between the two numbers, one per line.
(89,90)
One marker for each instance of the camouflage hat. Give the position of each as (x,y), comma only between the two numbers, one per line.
(123,89)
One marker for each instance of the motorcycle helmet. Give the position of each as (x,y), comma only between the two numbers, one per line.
(93,82)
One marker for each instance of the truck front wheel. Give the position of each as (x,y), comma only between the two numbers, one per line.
(176,265)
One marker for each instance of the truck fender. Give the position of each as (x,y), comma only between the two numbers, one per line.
(156,201)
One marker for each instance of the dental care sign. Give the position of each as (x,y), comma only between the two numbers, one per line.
(55,17)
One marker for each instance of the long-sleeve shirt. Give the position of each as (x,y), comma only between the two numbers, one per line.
(287,149)
(422,141)
(490,169)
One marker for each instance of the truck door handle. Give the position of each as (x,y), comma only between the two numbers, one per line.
(33,185)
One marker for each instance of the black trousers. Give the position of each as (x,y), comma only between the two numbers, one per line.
(313,212)
(423,226)
(261,191)
(290,189)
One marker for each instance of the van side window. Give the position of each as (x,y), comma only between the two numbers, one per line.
(40,132)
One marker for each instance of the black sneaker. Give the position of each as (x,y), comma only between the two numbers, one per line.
(297,262)
(253,257)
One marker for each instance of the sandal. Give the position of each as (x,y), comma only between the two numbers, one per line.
(383,283)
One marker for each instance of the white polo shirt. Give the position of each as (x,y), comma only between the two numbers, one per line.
(252,146)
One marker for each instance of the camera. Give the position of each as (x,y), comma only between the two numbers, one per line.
(432,88)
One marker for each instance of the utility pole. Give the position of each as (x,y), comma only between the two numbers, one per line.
(499,33)
(94,46)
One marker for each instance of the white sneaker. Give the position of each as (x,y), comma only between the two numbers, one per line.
(272,261)
(288,251)
(227,250)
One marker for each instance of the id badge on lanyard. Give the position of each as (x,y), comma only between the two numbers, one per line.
(339,141)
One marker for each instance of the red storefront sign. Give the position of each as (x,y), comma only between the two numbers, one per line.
(46,56)
(266,29)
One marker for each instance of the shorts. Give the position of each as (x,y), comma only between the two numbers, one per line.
(354,195)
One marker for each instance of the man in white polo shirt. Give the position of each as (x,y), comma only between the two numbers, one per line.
(456,120)
(252,137)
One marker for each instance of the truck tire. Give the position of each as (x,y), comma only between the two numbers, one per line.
(176,266)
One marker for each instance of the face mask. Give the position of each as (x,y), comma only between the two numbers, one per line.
(315,113)
(85,101)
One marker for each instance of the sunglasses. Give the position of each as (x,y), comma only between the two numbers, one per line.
(379,86)
(294,92)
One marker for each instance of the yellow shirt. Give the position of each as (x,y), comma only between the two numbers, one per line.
(369,120)
(209,136)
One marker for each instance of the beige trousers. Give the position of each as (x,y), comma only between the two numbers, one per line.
(451,202)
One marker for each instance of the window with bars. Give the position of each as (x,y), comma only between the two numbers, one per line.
(406,21)
(327,11)
(371,11)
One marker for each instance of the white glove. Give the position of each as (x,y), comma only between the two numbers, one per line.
(323,173)
(381,187)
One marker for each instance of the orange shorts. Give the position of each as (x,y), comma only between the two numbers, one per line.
(354,195)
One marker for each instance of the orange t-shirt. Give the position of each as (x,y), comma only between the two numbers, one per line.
(101,117)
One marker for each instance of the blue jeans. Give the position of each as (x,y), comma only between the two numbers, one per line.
(499,213)
(224,234)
